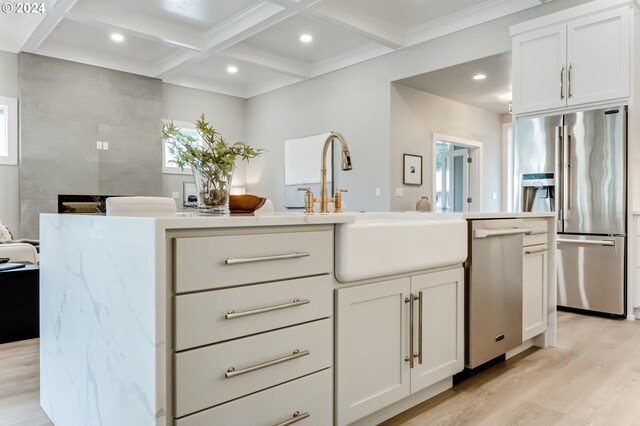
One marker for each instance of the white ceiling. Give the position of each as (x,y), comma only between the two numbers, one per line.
(457,83)
(191,42)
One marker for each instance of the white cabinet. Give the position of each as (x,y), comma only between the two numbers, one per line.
(534,291)
(534,279)
(585,60)
(251,323)
(378,359)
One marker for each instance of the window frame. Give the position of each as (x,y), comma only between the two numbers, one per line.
(11,158)
(175,170)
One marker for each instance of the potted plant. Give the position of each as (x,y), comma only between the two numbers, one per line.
(212,161)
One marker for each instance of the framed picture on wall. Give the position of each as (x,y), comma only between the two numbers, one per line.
(412,166)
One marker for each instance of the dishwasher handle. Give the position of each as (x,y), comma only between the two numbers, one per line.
(485,233)
(608,243)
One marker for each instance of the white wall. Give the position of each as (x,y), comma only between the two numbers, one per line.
(356,102)
(415,116)
(9,175)
(225,113)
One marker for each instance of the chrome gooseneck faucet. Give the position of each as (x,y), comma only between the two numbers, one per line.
(324,199)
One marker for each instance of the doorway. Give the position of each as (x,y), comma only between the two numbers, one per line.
(457,177)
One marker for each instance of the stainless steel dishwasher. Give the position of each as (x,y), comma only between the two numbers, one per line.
(493,308)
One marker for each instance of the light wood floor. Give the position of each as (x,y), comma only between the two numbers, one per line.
(591,378)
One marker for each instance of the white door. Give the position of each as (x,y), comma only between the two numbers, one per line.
(372,343)
(455,181)
(539,69)
(598,57)
(534,291)
(440,319)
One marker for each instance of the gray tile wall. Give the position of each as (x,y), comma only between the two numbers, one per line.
(66,107)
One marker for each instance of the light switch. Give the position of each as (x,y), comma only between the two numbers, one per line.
(494,195)
(378,193)
(175,195)
(99,145)
(105,145)
(399,192)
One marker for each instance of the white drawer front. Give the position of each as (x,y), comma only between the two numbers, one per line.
(200,374)
(204,318)
(534,239)
(201,262)
(310,395)
(538,226)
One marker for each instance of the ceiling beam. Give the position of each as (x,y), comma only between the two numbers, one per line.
(229,33)
(343,16)
(269,60)
(51,20)
(134,23)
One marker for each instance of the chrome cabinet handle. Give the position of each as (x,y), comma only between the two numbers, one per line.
(296,302)
(232,372)
(295,254)
(562,82)
(540,250)
(297,416)
(608,243)
(420,298)
(484,233)
(409,358)
(569,79)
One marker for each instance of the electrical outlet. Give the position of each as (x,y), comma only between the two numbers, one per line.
(378,193)
(399,192)
(175,195)
(105,146)
(494,195)
(99,145)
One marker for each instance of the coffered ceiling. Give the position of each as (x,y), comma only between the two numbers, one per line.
(194,42)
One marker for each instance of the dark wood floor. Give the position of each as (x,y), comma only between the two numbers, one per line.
(591,378)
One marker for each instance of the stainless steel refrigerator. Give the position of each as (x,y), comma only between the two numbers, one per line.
(575,164)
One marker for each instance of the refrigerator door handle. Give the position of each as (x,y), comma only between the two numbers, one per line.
(609,243)
(566,173)
(559,177)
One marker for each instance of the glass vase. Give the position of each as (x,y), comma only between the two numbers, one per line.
(213,183)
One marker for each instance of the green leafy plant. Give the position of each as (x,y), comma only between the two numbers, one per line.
(213,158)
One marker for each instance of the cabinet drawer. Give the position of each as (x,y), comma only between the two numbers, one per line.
(201,375)
(202,318)
(311,394)
(538,226)
(534,239)
(204,262)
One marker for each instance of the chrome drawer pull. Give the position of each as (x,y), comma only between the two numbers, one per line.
(296,302)
(295,419)
(295,254)
(484,233)
(540,250)
(609,243)
(232,372)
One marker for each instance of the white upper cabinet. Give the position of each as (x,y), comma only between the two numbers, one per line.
(539,68)
(585,60)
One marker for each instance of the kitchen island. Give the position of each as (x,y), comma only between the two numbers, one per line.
(159,321)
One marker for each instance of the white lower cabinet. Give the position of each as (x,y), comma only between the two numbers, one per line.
(534,291)
(395,338)
(275,406)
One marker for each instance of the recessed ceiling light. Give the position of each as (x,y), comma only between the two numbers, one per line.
(232,69)
(117,37)
(479,77)
(306,38)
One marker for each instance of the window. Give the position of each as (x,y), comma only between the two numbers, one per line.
(8,131)
(168,165)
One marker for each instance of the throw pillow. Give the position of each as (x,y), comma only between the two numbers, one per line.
(5,234)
